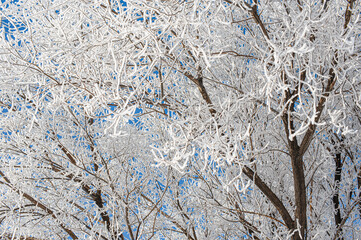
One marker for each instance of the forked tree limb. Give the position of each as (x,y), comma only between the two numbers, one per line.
(38,204)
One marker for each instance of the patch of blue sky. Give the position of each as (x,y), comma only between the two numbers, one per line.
(117,6)
(10,25)
(160,185)
(136,120)
(146,17)
(244,30)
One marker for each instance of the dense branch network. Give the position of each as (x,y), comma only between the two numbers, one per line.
(180,119)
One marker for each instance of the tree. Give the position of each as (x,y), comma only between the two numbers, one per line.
(174,119)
